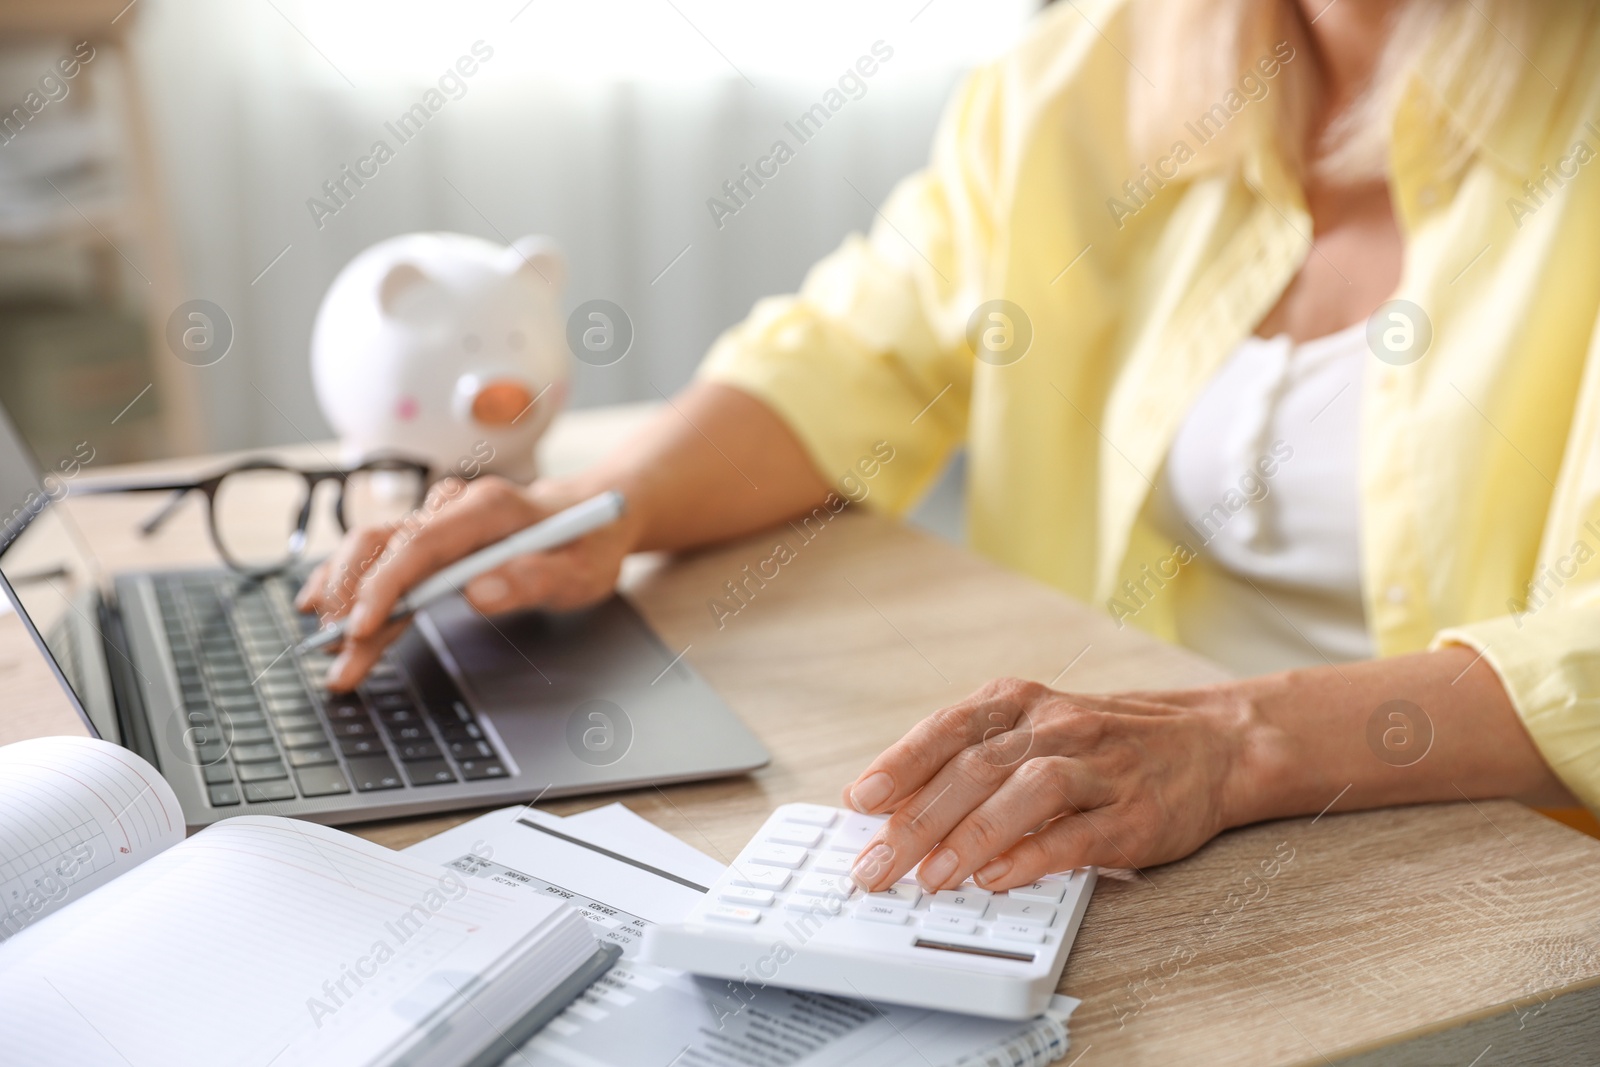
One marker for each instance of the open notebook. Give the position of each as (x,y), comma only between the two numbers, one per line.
(259,940)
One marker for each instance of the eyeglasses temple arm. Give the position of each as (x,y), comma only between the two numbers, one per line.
(163,513)
(297,539)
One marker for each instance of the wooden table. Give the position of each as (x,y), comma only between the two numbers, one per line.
(1461,934)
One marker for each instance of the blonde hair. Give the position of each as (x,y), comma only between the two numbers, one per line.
(1189,55)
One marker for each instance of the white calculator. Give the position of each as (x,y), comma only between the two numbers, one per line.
(787,914)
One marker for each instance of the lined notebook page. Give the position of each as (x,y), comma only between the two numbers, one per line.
(257,941)
(75,812)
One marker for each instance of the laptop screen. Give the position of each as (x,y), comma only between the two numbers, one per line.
(49,576)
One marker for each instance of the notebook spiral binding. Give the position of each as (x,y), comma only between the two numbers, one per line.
(1043,1042)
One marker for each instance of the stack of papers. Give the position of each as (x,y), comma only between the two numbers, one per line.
(622,873)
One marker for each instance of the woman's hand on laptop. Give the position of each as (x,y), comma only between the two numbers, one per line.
(375,565)
(682,487)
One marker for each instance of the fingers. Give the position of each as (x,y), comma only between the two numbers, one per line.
(1066,844)
(373,567)
(972,825)
(922,821)
(910,763)
(526,581)
(1036,793)
(562,579)
(478,515)
(356,657)
(331,588)
(311,588)
(1028,799)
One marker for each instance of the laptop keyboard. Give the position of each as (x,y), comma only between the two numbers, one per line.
(262,734)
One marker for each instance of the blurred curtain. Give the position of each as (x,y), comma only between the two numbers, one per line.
(606,124)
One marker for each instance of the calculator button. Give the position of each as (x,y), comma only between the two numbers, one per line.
(1050,890)
(1012,931)
(959,902)
(898,896)
(948,924)
(825,885)
(1025,911)
(804,902)
(834,863)
(794,834)
(729,913)
(879,913)
(738,894)
(810,814)
(760,877)
(855,831)
(790,856)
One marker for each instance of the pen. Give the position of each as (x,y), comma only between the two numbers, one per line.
(559,529)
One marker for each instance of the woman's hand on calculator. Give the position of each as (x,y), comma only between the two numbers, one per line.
(1019,780)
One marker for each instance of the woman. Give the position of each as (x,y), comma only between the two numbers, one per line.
(1268,325)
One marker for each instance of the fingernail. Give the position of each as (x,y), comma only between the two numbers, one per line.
(993,870)
(870,793)
(488,589)
(360,619)
(872,863)
(336,671)
(937,868)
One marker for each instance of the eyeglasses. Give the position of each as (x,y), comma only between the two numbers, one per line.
(259,510)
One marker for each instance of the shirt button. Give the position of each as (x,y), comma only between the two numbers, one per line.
(1428,195)
(1396,594)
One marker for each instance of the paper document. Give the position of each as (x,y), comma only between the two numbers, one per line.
(78,813)
(624,873)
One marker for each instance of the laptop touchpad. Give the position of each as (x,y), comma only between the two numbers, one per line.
(593,690)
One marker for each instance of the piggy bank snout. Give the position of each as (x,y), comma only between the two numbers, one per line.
(497,401)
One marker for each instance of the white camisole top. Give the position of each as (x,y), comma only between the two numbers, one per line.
(1262,483)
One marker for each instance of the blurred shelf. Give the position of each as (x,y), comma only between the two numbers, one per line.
(48,18)
(82,179)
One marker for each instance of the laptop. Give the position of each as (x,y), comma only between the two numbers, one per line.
(196,671)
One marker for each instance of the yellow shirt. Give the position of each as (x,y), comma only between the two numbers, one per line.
(1480,461)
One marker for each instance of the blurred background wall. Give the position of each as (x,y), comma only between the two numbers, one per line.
(177,161)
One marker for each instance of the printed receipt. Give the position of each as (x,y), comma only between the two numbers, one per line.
(637,1013)
(610,924)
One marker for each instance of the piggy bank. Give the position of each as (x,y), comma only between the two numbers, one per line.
(446,348)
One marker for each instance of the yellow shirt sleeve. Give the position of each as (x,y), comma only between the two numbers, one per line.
(1550,665)
(1548,654)
(872,348)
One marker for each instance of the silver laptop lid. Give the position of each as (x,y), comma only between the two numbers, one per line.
(50,578)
